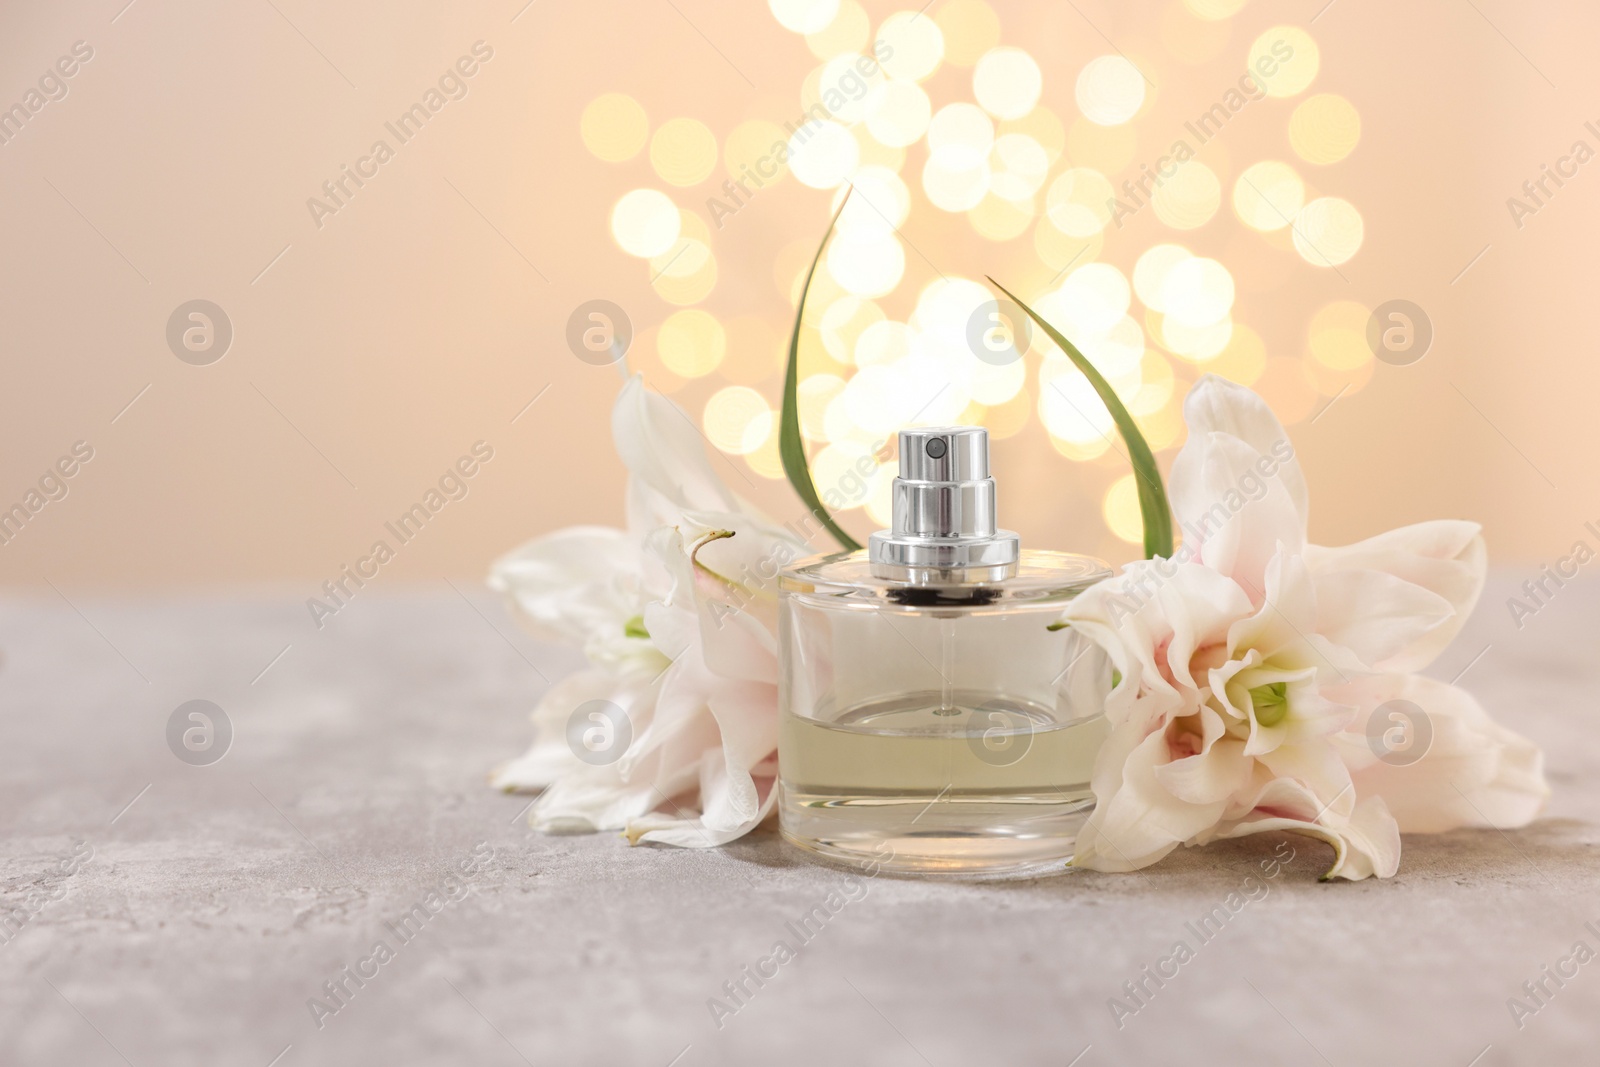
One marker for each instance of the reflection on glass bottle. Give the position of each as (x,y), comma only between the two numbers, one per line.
(927,704)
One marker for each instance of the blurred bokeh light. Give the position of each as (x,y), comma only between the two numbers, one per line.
(940,113)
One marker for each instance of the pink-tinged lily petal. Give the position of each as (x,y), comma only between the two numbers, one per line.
(1319,769)
(1155,620)
(1106,617)
(1198,606)
(734,640)
(1232,518)
(742,567)
(739,719)
(1213,774)
(1365,839)
(1371,844)
(1287,611)
(1319,626)
(1136,820)
(1399,598)
(733,807)
(699,685)
(664,452)
(1216,405)
(1379,617)
(1453,766)
(744,719)
(1279,643)
(681,726)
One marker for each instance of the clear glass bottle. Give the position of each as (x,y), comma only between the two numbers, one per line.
(933,719)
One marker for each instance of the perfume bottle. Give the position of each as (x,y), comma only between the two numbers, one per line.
(933,718)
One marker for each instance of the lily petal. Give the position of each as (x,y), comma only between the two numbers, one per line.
(1136,820)
(1399,598)
(1211,776)
(550,757)
(664,452)
(735,641)
(1287,610)
(1233,517)
(1153,619)
(583,582)
(743,717)
(1473,772)
(1216,405)
(1366,841)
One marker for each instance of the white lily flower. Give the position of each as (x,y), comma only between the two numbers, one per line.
(1253,666)
(677,617)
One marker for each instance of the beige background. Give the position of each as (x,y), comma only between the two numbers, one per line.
(423,317)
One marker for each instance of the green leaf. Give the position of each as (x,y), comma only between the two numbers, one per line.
(1152,495)
(791,447)
(634,627)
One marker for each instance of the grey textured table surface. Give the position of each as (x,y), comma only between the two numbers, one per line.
(217,904)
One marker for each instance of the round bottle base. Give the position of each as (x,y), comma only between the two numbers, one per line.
(956,835)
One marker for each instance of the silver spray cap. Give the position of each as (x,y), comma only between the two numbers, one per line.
(944,513)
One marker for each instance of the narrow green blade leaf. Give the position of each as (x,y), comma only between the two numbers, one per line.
(1153,506)
(791,447)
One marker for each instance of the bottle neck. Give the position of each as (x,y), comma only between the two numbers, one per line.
(943,529)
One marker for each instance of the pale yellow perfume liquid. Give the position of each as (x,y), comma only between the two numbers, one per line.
(945,780)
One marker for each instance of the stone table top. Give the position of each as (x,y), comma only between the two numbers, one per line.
(165,914)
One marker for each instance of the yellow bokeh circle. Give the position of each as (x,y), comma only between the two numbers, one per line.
(1324,128)
(1213,10)
(1110,90)
(1121,510)
(1150,272)
(1076,203)
(683,151)
(645,222)
(753,151)
(737,419)
(1284,60)
(1189,198)
(686,273)
(691,343)
(1007,82)
(811,401)
(1338,336)
(970,29)
(614,127)
(804,16)
(898,113)
(846,33)
(1328,231)
(1000,219)
(1268,195)
(910,45)
(1197,292)
(823,154)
